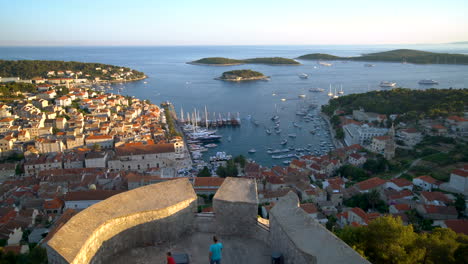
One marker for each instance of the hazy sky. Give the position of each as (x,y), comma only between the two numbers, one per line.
(241,22)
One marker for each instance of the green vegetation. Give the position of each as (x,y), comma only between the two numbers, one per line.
(27,69)
(243,74)
(366,201)
(170,123)
(205,172)
(10,89)
(227,61)
(229,171)
(399,55)
(319,56)
(410,104)
(387,240)
(353,173)
(37,255)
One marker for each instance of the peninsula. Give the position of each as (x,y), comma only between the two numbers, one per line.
(242,75)
(399,55)
(38,69)
(220,61)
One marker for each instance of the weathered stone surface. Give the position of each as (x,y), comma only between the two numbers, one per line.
(238,190)
(235,206)
(302,240)
(151,214)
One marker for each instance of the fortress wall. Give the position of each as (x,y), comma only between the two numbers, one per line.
(152,214)
(302,240)
(235,205)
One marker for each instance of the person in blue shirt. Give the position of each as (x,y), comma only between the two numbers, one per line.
(215,251)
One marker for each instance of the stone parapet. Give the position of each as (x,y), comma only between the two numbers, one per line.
(153,214)
(235,205)
(303,240)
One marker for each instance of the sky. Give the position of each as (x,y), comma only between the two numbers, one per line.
(238,22)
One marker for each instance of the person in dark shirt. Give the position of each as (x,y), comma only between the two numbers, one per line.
(170,259)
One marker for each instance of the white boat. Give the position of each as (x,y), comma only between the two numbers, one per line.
(277,130)
(428,82)
(303,76)
(302,96)
(387,84)
(341,90)
(330,92)
(325,63)
(369,65)
(316,90)
(268,131)
(212,145)
(284,142)
(251,151)
(336,95)
(292,135)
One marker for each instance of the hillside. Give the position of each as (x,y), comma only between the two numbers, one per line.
(242,75)
(399,55)
(413,104)
(226,61)
(27,69)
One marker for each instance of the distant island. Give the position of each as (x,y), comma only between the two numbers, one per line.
(220,61)
(33,69)
(242,75)
(459,42)
(399,55)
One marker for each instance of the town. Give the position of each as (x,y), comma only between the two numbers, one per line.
(66,146)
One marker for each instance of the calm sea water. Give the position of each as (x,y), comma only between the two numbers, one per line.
(193,86)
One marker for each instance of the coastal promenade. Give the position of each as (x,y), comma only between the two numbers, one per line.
(336,143)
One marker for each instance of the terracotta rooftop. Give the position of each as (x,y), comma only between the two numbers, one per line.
(428,179)
(460,172)
(402,207)
(144,149)
(309,208)
(437,209)
(458,225)
(207,181)
(370,183)
(435,196)
(400,182)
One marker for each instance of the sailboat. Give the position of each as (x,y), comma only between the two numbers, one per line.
(336,95)
(341,91)
(330,92)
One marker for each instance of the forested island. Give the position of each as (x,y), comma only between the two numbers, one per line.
(220,61)
(399,55)
(28,69)
(409,104)
(242,75)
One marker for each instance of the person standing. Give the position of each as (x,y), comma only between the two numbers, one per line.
(170,259)
(215,251)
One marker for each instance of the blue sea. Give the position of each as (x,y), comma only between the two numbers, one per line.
(193,86)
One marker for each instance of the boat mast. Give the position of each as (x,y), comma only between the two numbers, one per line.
(182,115)
(206,117)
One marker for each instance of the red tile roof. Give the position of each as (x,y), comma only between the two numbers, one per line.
(370,183)
(437,209)
(309,208)
(208,181)
(435,196)
(402,207)
(458,225)
(400,182)
(428,179)
(144,149)
(95,195)
(461,173)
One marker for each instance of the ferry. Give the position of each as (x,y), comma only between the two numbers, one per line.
(316,90)
(276,151)
(387,84)
(303,76)
(428,82)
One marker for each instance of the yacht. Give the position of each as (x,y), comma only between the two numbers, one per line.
(302,96)
(428,82)
(274,118)
(251,151)
(211,145)
(387,84)
(303,76)
(330,92)
(292,135)
(336,95)
(284,142)
(268,131)
(341,90)
(325,63)
(369,65)
(316,90)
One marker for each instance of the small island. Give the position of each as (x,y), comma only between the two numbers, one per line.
(67,70)
(399,55)
(220,61)
(242,75)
